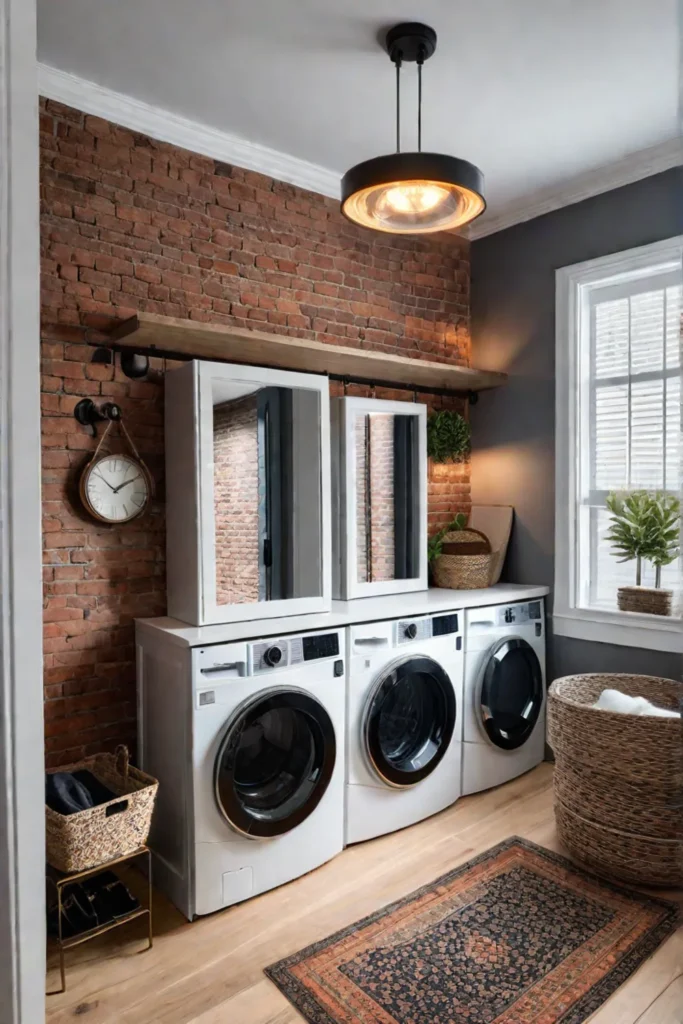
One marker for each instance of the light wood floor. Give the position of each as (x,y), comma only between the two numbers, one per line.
(211,972)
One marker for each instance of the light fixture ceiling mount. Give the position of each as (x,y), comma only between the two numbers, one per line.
(410,41)
(412,193)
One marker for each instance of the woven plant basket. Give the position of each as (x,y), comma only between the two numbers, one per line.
(455,569)
(619,778)
(646,600)
(76,842)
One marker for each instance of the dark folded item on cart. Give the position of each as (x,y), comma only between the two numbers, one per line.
(70,792)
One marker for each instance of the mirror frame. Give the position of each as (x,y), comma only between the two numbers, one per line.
(347,587)
(191,567)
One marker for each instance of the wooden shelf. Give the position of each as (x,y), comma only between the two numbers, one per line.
(151,333)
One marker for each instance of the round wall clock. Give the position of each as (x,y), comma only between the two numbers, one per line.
(115,488)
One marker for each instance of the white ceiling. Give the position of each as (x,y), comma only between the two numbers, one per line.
(537,93)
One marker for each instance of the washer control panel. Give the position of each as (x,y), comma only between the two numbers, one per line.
(409,630)
(323,645)
(520,614)
(444,624)
(267,655)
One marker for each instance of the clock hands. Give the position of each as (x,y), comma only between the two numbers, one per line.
(131,481)
(110,486)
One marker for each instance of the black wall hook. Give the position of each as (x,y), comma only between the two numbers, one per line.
(89,415)
(134,364)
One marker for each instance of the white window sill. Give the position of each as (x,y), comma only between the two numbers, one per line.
(628,629)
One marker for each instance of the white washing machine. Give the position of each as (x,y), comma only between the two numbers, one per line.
(247,741)
(404,722)
(504,714)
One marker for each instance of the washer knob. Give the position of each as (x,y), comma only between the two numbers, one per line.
(273,656)
(410,632)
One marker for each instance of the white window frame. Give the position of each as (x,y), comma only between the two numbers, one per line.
(573,284)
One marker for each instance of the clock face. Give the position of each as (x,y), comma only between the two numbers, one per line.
(116,488)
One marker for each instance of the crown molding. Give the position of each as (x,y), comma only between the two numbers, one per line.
(634,167)
(166,126)
(201,138)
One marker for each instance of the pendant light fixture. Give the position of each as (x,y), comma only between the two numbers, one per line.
(412,193)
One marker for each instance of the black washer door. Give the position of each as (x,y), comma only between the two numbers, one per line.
(511,693)
(275,763)
(409,721)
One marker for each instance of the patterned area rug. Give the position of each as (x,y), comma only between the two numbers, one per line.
(517,935)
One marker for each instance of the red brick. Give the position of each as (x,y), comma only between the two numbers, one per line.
(149,274)
(225,267)
(113,265)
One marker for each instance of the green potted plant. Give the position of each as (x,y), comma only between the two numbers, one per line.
(666,513)
(644,526)
(448,436)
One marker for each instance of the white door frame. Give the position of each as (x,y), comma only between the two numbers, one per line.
(22,817)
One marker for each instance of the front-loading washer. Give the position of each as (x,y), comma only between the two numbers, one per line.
(504,712)
(247,741)
(404,722)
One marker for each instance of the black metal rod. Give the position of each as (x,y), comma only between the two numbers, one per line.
(395,385)
(398,104)
(344,378)
(419,102)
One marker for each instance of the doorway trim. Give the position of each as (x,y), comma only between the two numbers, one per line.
(22,816)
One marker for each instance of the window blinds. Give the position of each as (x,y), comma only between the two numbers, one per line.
(632,439)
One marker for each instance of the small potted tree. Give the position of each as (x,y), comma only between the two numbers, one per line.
(666,513)
(645,526)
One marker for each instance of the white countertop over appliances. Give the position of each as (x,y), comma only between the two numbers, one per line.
(343,613)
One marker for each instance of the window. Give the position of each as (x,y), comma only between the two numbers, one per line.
(618,378)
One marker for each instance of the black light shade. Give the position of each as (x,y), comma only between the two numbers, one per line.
(413,193)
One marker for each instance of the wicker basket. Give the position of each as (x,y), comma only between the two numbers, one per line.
(455,569)
(646,600)
(619,778)
(76,842)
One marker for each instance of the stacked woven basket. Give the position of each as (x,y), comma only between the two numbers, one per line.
(619,778)
(465,561)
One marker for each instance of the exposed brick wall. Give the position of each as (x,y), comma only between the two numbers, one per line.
(362,547)
(131,224)
(382,497)
(375,555)
(236,500)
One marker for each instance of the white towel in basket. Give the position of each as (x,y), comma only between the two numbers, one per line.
(615,700)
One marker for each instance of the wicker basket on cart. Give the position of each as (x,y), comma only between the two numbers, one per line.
(619,778)
(464,562)
(76,842)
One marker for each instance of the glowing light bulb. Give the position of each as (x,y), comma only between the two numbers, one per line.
(414,198)
(414,205)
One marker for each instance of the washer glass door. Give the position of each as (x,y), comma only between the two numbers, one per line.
(511,693)
(409,721)
(274,763)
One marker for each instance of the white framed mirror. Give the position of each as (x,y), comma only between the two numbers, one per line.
(248,493)
(379,497)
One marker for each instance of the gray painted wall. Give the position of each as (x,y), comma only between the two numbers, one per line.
(513,427)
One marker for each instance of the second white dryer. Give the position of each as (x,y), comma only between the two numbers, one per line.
(405,683)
